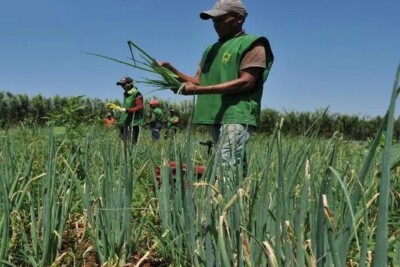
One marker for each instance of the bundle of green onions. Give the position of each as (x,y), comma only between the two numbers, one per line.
(166,80)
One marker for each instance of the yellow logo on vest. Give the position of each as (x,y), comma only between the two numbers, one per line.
(226,57)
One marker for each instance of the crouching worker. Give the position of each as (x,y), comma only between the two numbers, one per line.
(173,124)
(109,121)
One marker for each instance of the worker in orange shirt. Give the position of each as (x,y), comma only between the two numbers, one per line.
(109,121)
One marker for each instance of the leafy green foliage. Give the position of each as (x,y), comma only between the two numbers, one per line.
(41,111)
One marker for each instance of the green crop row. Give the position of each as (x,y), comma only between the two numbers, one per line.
(86,198)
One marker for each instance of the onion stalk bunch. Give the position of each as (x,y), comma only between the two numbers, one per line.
(166,78)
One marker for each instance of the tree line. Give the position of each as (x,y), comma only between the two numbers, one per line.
(40,111)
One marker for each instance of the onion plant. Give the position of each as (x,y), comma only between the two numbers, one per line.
(302,204)
(107,194)
(143,61)
(304,201)
(381,250)
(38,207)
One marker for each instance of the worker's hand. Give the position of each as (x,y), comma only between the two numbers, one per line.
(118,108)
(189,88)
(167,65)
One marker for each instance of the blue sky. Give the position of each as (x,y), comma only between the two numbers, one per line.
(341,54)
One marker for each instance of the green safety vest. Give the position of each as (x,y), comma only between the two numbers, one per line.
(220,63)
(173,122)
(131,118)
(158,114)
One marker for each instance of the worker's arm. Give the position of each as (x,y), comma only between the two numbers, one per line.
(251,69)
(138,105)
(246,81)
(182,77)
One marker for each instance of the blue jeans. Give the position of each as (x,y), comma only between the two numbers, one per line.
(155,132)
(231,140)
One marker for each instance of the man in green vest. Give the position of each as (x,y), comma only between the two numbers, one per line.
(173,123)
(131,117)
(229,81)
(156,120)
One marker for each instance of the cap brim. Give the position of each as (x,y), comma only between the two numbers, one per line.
(212,13)
(122,83)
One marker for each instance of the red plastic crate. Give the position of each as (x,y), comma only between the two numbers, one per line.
(198,170)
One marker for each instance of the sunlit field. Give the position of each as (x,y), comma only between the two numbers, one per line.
(75,194)
(93,200)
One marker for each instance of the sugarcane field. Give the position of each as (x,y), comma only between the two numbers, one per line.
(223,133)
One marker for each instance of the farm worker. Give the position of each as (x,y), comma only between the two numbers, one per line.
(131,116)
(173,123)
(156,121)
(109,121)
(229,81)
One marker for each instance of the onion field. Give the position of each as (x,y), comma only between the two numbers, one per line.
(79,196)
(96,201)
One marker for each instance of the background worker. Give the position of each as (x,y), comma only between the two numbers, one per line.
(173,123)
(131,116)
(109,121)
(156,119)
(229,81)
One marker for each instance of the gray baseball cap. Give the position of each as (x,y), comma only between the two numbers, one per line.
(125,80)
(223,7)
